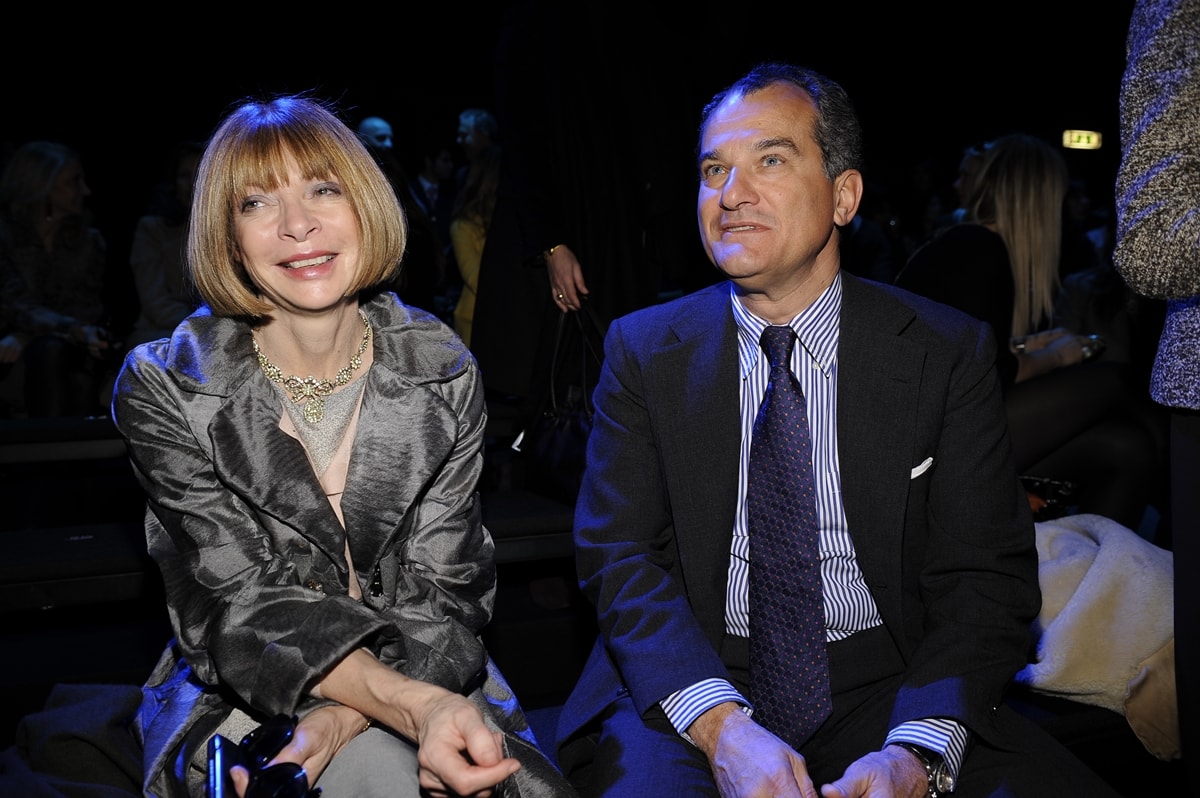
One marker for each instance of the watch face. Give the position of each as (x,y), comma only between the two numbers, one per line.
(942,779)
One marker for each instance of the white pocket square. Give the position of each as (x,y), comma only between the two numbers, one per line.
(922,468)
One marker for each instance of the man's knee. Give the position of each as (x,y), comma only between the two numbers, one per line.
(625,754)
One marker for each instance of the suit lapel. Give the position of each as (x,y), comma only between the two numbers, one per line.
(879,377)
(693,373)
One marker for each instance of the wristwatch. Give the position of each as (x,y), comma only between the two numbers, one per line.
(941,780)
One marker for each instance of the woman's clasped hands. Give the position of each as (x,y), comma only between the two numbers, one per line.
(1055,348)
(458,754)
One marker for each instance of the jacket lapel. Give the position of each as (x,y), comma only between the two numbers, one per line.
(270,468)
(406,430)
(394,460)
(879,378)
(390,464)
(701,436)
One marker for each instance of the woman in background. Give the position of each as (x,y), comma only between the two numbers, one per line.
(1070,421)
(52,272)
(473,208)
(156,257)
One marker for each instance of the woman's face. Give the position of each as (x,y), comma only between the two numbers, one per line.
(299,243)
(69,190)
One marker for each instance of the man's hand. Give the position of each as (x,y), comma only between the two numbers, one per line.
(747,760)
(890,773)
(95,338)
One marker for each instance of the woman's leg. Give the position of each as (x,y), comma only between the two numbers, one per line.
(1112,466)
(1046,412)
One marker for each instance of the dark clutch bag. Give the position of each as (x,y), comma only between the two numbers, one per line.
(260,746)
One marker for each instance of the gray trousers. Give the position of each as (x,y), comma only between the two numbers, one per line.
(375,764)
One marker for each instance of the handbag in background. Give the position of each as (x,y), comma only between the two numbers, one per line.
(555,439)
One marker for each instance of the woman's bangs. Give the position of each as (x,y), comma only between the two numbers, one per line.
(264,159)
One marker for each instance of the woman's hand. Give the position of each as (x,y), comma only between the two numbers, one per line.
(319,736)
(457,753)
(1052,349)
(566,278)
(94,337)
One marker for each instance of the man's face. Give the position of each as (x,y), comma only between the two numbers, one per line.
(765,208)
(964,181)
(376,132)
(443,165)
(472,140)
(69,190)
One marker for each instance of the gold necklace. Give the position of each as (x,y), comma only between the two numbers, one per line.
(310,389)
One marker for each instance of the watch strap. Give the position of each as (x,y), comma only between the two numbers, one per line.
(933,762)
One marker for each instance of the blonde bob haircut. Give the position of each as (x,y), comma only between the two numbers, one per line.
(250,148)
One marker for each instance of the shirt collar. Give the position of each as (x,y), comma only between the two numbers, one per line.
(816,327)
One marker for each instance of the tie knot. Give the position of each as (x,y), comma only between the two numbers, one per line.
(777,342)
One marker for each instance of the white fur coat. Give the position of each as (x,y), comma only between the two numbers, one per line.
(1106,625)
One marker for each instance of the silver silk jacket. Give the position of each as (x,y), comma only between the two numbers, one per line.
(252,554)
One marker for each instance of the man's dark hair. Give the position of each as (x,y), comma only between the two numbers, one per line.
(837,131)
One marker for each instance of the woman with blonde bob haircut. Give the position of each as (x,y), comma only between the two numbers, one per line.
(252,148)
(310,447)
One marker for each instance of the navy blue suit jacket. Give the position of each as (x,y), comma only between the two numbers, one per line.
(948,550)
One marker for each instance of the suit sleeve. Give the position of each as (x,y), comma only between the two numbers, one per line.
(627,558)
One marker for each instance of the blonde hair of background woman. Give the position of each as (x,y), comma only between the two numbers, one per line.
(1019,191)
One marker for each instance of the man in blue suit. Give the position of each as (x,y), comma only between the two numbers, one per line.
(928,561)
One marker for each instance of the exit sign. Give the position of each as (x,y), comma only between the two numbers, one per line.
(1081,139)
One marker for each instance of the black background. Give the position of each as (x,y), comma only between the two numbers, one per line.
(926,79)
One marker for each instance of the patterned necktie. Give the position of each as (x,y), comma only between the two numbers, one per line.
(789,668)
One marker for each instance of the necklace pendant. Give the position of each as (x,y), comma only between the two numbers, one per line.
(309,389)
(314,410)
